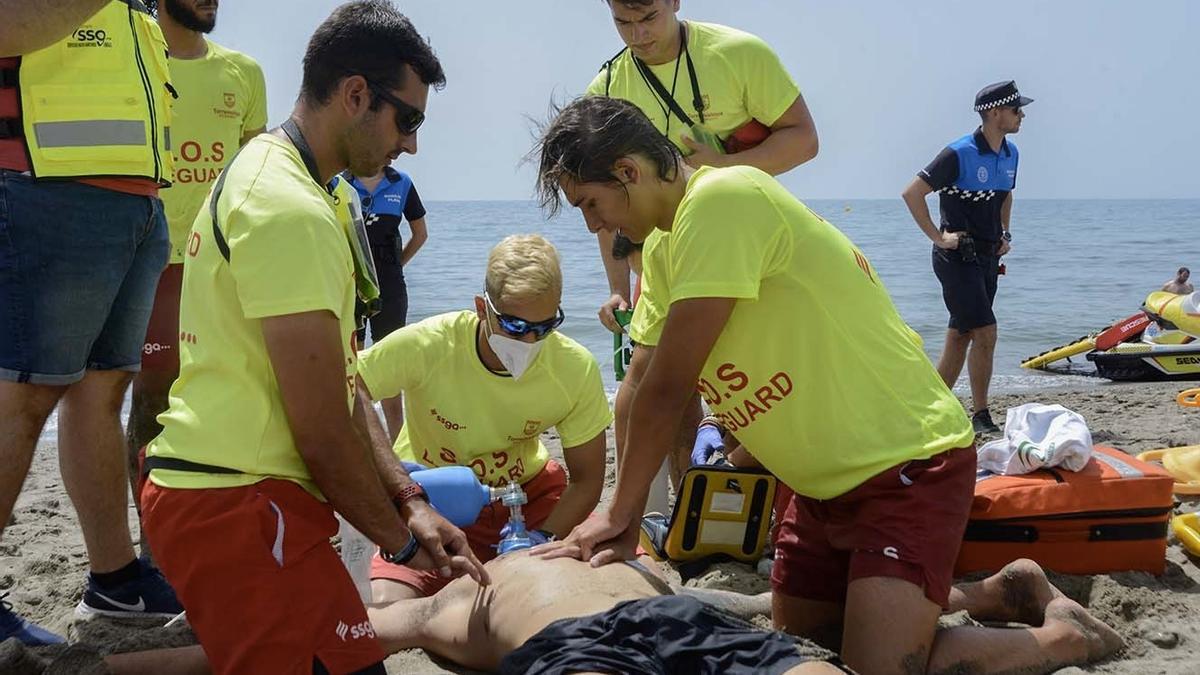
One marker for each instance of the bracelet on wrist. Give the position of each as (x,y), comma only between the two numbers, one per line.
(408,493)
(404,554)
(711,421)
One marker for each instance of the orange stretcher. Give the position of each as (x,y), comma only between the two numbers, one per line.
(1111,516)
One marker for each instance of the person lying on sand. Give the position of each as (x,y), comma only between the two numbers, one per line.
(562,615)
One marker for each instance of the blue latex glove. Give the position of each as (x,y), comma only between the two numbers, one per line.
(410,467)
(708,441)
(536,537)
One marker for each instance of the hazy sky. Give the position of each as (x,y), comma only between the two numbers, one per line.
(889,83)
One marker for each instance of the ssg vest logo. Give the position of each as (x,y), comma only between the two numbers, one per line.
(85,36)
(982,174)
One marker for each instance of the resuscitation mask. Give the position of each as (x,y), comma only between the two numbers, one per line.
(515,355)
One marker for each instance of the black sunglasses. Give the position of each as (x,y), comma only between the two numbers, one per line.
(408,118)
(517,327)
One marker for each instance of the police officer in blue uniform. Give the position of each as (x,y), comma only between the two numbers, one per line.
(387,197)
(974,177)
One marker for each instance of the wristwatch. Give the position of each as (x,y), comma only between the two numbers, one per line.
(1006,235)
(403,555)
(411,491)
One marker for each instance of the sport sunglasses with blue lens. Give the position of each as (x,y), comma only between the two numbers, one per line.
(516,326)
(408,118)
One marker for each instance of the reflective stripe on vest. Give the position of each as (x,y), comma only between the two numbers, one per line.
(96,103)
(89,134)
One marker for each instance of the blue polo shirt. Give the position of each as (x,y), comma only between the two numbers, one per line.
(395,197)
(973,182)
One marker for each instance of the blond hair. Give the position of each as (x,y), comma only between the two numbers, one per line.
(522,267)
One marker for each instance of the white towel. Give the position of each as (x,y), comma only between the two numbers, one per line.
(1035,436)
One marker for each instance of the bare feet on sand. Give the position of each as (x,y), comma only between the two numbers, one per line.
(1025,591)
(1018,593)
(1090,638)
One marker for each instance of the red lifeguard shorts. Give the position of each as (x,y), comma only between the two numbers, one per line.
(543,492)
(264,590)
(905,523)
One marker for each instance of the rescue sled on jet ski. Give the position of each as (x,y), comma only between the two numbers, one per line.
(1161,342)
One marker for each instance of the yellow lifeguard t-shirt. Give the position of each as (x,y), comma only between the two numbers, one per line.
(650,313)
(456,411)
(222,97)
(740,78)
(288,254)
(816,373)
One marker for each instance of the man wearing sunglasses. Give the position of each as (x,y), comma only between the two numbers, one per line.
(479,389)
(259,446)
(974,177)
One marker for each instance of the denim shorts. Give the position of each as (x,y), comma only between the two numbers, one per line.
(78,269)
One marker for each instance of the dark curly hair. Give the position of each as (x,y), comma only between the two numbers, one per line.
(368,38)
(586,138)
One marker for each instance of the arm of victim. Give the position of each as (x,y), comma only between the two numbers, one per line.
(306,353)
(914,198)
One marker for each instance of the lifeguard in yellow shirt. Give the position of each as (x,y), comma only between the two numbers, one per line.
(479,389)
(786,330)
(723,98)
(221,104)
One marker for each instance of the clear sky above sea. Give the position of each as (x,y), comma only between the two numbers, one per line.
(889,83)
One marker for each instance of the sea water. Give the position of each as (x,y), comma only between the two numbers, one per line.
(1076,266)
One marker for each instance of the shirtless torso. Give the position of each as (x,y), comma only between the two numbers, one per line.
(477,626)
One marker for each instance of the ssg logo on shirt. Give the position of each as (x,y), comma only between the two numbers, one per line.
(359,630)
(90,37)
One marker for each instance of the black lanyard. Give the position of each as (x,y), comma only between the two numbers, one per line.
(292,131)
(668,97)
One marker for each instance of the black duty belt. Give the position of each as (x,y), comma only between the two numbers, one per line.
(175,464)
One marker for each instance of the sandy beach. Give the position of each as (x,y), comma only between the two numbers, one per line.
(43,563)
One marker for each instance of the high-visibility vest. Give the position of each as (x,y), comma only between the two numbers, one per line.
(97,102)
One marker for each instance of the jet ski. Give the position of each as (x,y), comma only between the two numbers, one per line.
(1161,342)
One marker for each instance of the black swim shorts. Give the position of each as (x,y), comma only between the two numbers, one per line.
(667,634)
(968,287)
(393,305)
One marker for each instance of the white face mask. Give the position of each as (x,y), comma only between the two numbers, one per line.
(513,353)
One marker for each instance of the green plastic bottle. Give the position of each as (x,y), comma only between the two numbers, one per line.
(622,352)
(702,135)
